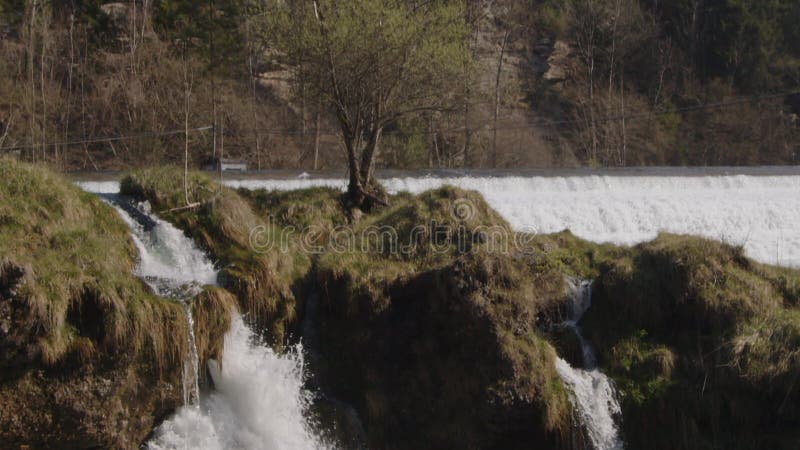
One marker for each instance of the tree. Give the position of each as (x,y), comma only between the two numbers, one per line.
(373,62)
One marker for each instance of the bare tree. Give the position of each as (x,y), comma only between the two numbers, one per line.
(373,62)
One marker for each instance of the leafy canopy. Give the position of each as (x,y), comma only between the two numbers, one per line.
(374,59)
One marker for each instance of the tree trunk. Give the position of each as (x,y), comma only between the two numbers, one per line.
(187,93)
(316,141)
(368,156)
(497,98)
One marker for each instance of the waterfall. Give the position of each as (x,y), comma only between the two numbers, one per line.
(191,366)
(175,268)
(259,400)
(594,396)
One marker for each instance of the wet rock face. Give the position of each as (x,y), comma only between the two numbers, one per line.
(444,361)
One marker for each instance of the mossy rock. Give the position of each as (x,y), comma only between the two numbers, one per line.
(699,339)
(449,357)
(90,357)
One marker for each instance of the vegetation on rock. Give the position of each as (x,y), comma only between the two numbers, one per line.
(703,344)
(90,357)
(439,335)
(264,280)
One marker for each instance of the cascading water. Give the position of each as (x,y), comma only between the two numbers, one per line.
(759,212)
(259,399)
(175,268)
(594,396)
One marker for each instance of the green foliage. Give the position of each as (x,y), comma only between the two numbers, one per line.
(739,40)
(211,28)
(373,61)
(552,16)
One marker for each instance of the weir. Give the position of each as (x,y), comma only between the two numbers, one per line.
(593,394)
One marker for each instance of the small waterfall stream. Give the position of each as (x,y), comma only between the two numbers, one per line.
(175,268)
(594,396)
(259,399)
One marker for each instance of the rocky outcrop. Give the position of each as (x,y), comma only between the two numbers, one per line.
(449,358)
(703,344)
(89,357)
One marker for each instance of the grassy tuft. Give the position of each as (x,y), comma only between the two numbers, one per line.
(224,224)
(701,338)
(66,273)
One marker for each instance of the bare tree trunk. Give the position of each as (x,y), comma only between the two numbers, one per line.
(253,94)
(42,85)
(624,130)
(316,140)
(211,61)
(187,94)
(368,156)
(133,37)
(69,78)
(221,150)
(354,188)
(497,98)
(434,144)
(31,82)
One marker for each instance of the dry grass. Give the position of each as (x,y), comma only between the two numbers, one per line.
(263,280)
(66,265)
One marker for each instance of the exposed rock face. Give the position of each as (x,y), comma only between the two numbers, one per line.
(447,359)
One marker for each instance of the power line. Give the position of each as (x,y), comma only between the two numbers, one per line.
(108,139)
(541,122)
(334,132)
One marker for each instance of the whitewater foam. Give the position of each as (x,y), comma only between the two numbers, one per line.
(166,254)
(760,213)
(593,393)
(259,402)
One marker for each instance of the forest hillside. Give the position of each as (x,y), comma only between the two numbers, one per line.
(91,85)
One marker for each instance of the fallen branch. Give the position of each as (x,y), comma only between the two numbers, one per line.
(181,208)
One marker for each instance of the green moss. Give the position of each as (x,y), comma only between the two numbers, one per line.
(67,260)
(698,338)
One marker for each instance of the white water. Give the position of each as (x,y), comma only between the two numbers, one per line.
(259,400)
(761,213)
(258,403)
(175,268)
(594,396)
(166,255)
